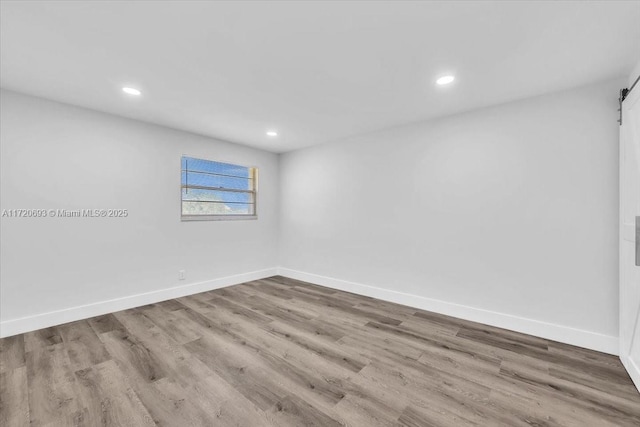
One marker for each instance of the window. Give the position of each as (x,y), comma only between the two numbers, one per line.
(214,190)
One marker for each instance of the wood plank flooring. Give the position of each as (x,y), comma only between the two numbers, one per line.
(279,352)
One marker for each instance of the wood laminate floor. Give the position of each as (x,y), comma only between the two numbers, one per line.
(279,352)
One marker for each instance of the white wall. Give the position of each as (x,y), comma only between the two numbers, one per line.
(506,215)
(55,156)
(635,73)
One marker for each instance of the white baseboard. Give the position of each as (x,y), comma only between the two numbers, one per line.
(578,337)
(633,369)
(568,335)
(45,320)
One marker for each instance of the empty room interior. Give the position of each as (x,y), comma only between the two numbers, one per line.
(320,213)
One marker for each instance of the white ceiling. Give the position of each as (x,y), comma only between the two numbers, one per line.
(315,71)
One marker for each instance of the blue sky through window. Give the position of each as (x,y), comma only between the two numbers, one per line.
(207,188)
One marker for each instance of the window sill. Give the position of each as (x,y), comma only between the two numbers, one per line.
(217,217)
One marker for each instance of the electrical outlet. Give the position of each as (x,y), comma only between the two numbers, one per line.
(182,274)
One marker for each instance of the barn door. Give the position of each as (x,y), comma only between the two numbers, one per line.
(630,234)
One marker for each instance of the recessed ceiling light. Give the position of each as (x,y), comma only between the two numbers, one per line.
(131,91)
(445,80)
(272,133)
